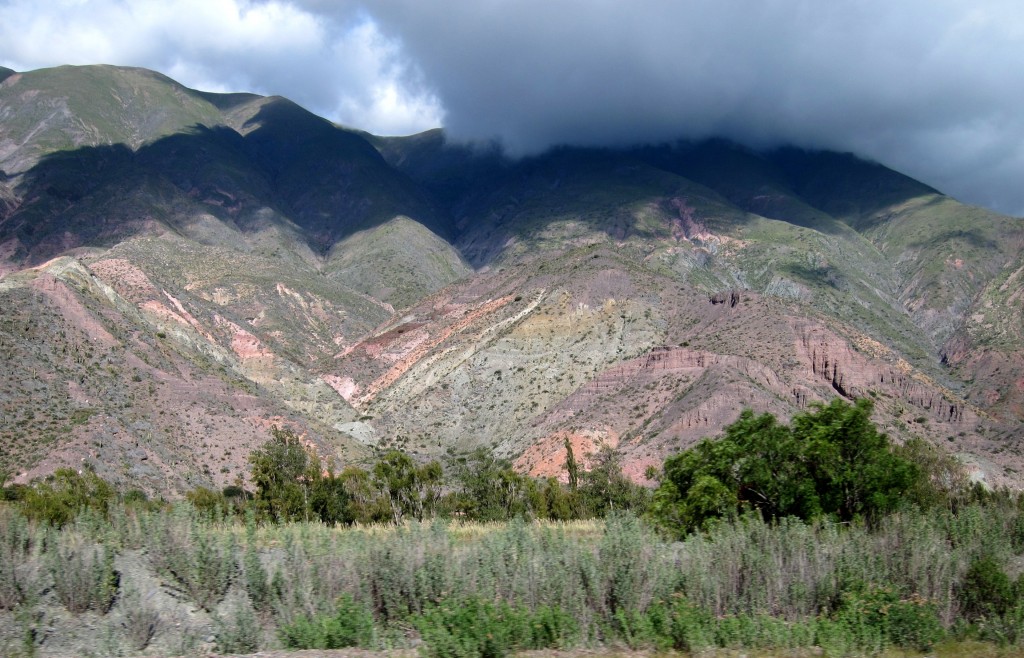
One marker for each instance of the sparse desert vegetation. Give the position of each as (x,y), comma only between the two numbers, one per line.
(172,581)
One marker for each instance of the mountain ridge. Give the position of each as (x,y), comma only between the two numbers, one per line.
(375,292)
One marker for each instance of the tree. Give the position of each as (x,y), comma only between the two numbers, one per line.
(829,461)
(604,489)
(855,469)
(410,490)
(571,467)
(366,503)
(488,489)
(291,484)
(329,499)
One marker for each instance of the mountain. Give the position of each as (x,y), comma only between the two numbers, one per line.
(182,270)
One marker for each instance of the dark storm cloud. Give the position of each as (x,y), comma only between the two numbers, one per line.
(934,88)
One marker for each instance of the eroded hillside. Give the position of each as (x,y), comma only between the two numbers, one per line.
(183,270)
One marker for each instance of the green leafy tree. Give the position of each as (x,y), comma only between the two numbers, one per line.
(366,503)
(944,481)
(604,489)
(829,461)
(291,484)
(856,471)
(410,489)
(571,467)
(554,501)
(328,498)
(488,489)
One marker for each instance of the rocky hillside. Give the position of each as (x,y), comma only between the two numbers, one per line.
(182,270)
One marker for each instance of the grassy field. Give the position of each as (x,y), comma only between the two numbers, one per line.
(170,582)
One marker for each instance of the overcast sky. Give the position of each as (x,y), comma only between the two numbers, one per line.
(933,88)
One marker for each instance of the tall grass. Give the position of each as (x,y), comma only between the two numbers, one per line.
(19,541)
(746,583)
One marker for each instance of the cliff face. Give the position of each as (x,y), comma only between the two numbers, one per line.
(855,370)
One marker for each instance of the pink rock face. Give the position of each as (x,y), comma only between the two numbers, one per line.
(851,373)
(345,386)
(128,280)
(411,352)
(58,293)
(247,346)
(546,457)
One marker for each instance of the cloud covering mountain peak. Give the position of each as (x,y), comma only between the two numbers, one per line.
(932,88)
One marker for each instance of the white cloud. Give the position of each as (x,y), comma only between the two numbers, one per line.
(340,66)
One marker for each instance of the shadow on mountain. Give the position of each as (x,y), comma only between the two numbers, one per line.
(844,186)
(710,185)
(815,189)
(289,167)
(292,168)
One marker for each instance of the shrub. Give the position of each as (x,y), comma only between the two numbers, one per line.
(238,633)
(83,574)
(59,498)
(194,556)
(642,629)
(876,617)
(474,628)
(351,625)
(211,504)
(986,590)
(691,628)
(256,583)
(140,620)
(17,546)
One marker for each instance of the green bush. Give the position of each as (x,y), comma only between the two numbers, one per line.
(650,628)
(194,556)
(256,582)
(873,618)
(61,496)
(474,628)
(691,628)
(83,574)
(351,625)
(986,590)
(17,546)
(237,633)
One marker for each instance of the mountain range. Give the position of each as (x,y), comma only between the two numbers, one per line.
(180,271)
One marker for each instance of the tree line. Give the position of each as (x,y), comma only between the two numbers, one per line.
(830,461)
(291,483)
